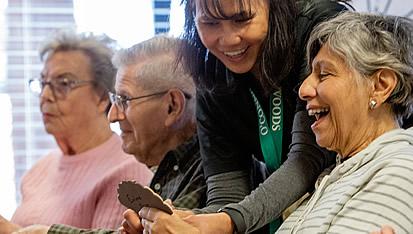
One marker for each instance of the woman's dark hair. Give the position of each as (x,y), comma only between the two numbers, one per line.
(277,53)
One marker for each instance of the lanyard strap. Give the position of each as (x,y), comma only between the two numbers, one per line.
(271,136)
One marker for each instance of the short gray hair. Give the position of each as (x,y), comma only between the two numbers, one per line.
(161,70)
(97,48)
(369,42)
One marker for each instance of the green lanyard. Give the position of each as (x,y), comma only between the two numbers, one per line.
(271,137)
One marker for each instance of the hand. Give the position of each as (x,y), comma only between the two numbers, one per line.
(384,230)
(212,223)
(156,221)
(7,227)
(131,223)
(33,229)
(180,213)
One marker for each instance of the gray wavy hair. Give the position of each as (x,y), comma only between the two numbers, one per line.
(161,70)
(369,42)
(97,48)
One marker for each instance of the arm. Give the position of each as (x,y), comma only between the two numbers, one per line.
(224,156)
(296,176)
(7,226)
(225,188)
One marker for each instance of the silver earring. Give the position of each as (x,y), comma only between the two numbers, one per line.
(372,104)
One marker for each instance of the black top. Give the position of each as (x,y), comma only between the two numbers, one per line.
(229,139)
(226,115)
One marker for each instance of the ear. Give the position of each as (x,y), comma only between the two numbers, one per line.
(176,105)
(384,82)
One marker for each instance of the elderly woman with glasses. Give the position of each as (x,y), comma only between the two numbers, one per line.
(359,90)
(76,184)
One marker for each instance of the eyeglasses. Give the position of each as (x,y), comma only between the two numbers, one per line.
(121,102)
(60,87)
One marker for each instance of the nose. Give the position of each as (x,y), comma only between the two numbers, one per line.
(47,93)
(114,114)
(308,88)
(230,34)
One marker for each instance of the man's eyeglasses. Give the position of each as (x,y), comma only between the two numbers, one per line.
(121,102)
(60,87)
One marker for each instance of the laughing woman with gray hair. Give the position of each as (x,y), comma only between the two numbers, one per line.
(358,92)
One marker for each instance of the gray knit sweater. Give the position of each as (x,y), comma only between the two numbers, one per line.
(370,189)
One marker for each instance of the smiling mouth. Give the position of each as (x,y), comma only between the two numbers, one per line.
(319,112)
(237,53)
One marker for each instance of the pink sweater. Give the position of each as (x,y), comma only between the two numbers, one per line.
(79,190)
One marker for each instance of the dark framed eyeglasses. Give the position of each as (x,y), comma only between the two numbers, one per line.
(121,102)
(60,87)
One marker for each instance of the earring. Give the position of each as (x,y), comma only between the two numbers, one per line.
(372,104)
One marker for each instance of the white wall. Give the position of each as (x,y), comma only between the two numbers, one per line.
(388,7)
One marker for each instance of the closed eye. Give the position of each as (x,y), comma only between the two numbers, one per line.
(209,23)
(324,75)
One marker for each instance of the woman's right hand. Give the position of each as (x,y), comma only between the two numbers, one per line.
(212,223)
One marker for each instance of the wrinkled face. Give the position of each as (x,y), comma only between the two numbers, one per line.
(338,98)
(237,40)
(142,122)
(63,116)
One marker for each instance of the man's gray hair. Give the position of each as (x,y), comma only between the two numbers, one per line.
(161,70)
(97,48)
(369,42)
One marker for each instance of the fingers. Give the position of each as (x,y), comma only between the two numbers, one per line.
(384,230)
(131,223)
(149,213)
(387,230)
(153,220)
(147,225)
(169,203)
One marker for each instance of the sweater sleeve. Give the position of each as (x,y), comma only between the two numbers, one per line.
(305,162)
(108,211)
(65,229)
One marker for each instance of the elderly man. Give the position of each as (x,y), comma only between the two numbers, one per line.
(154,106)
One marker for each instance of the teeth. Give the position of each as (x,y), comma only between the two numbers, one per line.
(235,53)
(317,112)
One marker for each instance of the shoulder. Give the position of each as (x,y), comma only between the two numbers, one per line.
(315,11)
(118,166)
(224,100)
(393,164)
(49,160)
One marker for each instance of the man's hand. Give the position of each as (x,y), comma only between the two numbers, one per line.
(7,227)
(156,221)
(131,223)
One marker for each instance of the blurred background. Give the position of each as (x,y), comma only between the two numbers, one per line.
(24,24)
